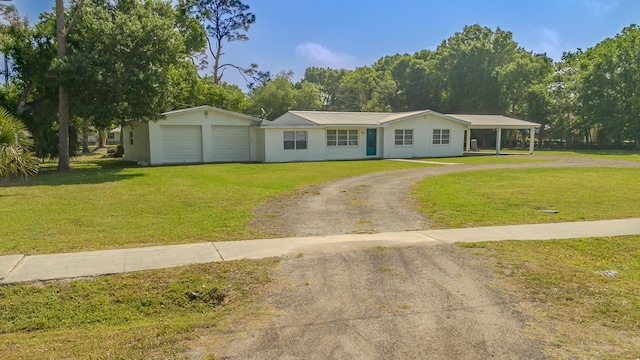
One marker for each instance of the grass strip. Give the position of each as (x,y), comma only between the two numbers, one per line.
(149,314)
(579,312)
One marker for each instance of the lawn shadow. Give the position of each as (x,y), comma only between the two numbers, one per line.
(591,152)
(607,152)
(93,171)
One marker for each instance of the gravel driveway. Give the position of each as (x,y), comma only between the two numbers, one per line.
(419,302)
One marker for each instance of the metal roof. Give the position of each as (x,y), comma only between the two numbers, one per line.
(380,119)
(333,118)
(494,121)
(342,118)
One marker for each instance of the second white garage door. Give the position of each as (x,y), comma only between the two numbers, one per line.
(231,143)
(181,144)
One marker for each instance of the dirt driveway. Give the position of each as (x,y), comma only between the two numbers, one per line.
(420,302)
(425,302)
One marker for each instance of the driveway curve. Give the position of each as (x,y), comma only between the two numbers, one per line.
(377,202)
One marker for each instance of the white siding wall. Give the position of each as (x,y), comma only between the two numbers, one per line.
(456,147)
(317,148)
(274,146)
(258,135)
(422,127)
(139,151)
(347,152)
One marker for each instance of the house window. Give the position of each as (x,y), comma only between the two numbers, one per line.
(130,137)
(111,136)
(441,137)
(404,137)
(347,137)
(295,140)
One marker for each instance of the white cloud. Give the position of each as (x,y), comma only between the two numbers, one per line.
(550,44)
(318,55)
(600,6)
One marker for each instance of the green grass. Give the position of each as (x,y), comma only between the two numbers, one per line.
(505,197)
(107,203)
(522,156)
(489,159)
(579,312)
(146,314)
(594,154)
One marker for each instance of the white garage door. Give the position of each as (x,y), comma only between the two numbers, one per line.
(231,143)
(181,144)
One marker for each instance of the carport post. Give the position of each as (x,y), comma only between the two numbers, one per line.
(498,140)
(468,139)
(532,137)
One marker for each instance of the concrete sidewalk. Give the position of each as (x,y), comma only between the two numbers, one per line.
(19,268)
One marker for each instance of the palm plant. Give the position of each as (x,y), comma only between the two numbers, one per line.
(16,157)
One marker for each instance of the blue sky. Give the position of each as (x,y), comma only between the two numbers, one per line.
(296,34)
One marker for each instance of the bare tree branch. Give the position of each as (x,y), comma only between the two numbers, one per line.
(210,47)
(75,17)
(22,101)
(251,76)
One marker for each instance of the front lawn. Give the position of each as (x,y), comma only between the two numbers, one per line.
(107,203)
(516,196)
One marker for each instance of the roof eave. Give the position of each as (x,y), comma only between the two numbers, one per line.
(513,127)
(285,126)
(212,108)
(427,112)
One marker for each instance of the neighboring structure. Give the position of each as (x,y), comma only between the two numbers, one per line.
(322,135)
(113,136)
(207,134)
(195,135)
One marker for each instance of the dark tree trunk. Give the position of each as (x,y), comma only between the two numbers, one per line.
(102,138)
(85,136)
(63,99)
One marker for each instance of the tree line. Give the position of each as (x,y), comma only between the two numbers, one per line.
(590,97)
(129,61)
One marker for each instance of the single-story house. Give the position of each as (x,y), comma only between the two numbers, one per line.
(325,135)
(195,135)
(208,134)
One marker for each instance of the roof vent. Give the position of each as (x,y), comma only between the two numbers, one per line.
(206,113)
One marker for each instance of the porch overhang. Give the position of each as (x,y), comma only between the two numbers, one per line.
(496,122)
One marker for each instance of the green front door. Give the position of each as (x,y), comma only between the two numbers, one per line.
(372,141)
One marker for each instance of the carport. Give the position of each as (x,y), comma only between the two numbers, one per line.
(497,123)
